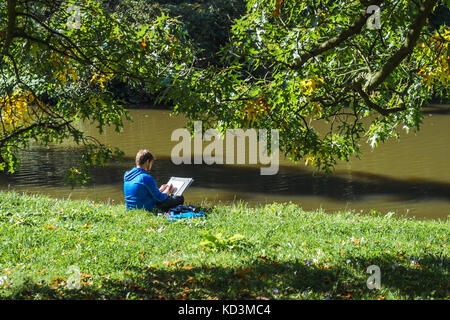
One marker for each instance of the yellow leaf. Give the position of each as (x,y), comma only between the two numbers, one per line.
(73,74)
(309,158)
(94,77)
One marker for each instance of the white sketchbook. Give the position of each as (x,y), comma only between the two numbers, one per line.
(180,184)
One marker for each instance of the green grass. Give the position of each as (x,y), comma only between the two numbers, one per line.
(277,251)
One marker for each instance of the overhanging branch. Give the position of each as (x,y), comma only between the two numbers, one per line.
(416,27)
(374,106)
(355,28)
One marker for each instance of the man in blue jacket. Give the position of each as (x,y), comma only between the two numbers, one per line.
(141,191)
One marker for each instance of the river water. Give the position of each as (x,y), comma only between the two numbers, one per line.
(409,177)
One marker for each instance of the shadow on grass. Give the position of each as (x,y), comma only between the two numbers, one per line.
(264,279)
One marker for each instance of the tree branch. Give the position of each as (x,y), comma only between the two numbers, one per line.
(408,45)
(47,125)
(54,32)
(10,29)
(374,106)
(355,28)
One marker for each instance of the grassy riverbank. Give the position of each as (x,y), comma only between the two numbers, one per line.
(273,252)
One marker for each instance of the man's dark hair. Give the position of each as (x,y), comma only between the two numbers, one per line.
(142,156)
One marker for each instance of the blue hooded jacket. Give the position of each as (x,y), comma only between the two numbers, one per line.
(140,189)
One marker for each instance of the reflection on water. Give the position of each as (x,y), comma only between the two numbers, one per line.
(410,176)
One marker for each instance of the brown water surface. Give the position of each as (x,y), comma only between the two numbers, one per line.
(410,176)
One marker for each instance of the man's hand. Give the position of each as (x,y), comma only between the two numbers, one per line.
(162,188)
(167,189)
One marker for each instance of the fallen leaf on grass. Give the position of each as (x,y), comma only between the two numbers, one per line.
(170,278)
(267,259)
(189,279)
(20,221)
(56,282)
(85,275)
(175,252)
(171,263)
(415,264)
(183,296)
(55,279)
(50,227)
(241,273)
(347,296)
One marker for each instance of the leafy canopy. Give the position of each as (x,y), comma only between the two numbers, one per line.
(312,69)
(57,58)
(318,73)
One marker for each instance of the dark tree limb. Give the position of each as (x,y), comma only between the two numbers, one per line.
(415,29)
(47,125)
(11,27)
(376,107)
(355,28)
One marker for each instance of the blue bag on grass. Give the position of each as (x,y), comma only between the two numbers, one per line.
(184,212)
